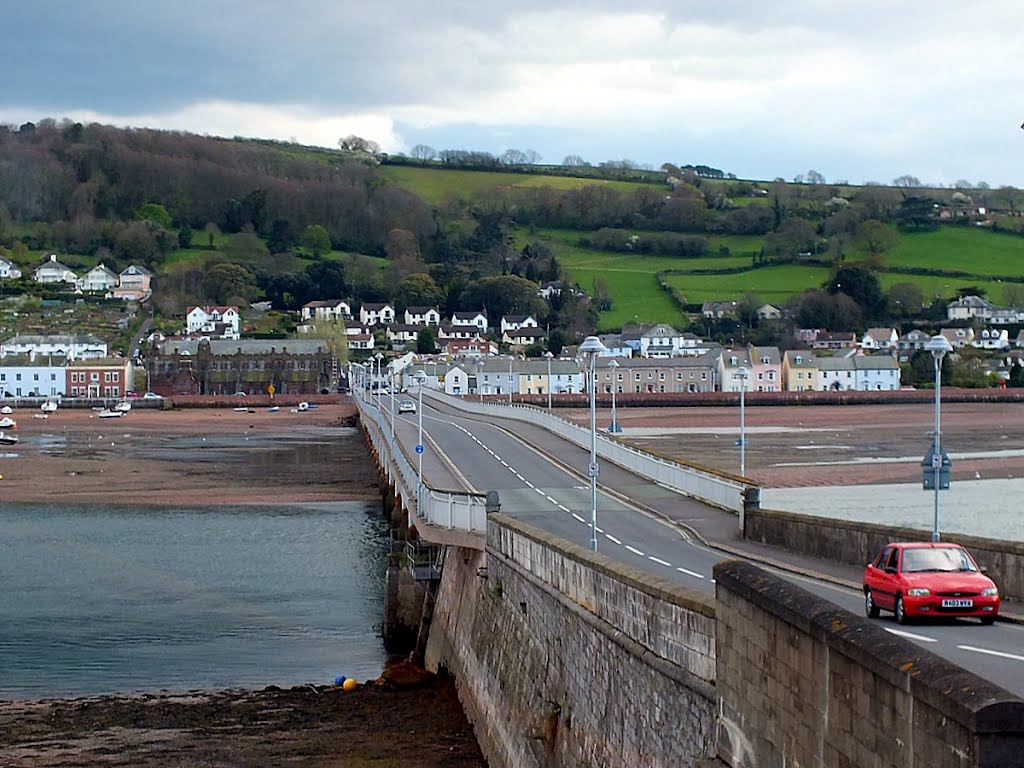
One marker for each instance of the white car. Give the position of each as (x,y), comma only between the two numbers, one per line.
(152,396)
(406,406)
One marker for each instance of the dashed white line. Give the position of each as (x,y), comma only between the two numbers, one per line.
(911,635)
(563,507)
(691,573)
(1000,654)
(635,551)
(659,561)
(580,519)
(538,490)
(612,539)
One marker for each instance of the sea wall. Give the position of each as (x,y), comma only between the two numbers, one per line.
(857,543)
(803,682)
(565,657)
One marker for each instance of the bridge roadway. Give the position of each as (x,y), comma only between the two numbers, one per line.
(542,480)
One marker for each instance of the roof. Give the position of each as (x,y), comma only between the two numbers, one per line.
(374,307)
(135,269)
(246,346)
(660,330)
(807,358)
(64,338)
(772,353)
(211,309)
(516,318)
(421,310)
(471,315)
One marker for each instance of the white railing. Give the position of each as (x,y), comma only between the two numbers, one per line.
(447,509)
(715,489)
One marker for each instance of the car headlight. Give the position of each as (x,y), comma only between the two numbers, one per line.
(918,592)
(990,592)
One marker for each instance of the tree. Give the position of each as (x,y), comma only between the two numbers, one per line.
(917,213)
(153,212)
(876,238)
(225,282)
(359,145)
(316,240)
(426,341)
(332,331)
(792,238)
(905,300)
(417,290)
(1013,295)
(574,161)
(212,230)
(862,286)
(746,308)
(185,236)
(813,177)
(423,153)
(503,295)
(906,181)
(602,295)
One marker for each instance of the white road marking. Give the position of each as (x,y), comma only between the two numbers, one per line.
(580,519)
(910,635)
(612,539)
(551,500)
(1000,654)
(634,550)
(692,573)
(563,507)
(538,490)
(503,463)
(659,561)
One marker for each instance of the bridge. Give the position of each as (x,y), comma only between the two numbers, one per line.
(715,646)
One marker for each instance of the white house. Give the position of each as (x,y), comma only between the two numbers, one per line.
(477,319)
(52,271)
(71,346)
(661,341)
(33,376)
(376,314)
(100,279)
(326,309)
(422,316)
(215,322)
(958,337)
(456,381)
(403,333)
(8,271)
(730,363)
(523,337)
(769,312)
(968,307)
(992,338)
(360,341)
(516,322)
(862,373)
(879,339)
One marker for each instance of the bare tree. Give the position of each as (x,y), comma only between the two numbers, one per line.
(574,161)
(423,152)
(906,181)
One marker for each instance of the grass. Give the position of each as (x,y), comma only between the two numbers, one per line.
(435,185)
(963,249)
(775,285)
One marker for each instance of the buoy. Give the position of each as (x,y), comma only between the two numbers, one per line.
(340,680)
(349,685)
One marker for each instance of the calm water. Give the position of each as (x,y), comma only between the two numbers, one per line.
(94,599)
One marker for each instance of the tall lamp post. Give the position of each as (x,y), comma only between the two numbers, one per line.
(548,356)
(391,376)
(742,374)
(479,377)
(376,384)
(421,379)
(614,428)
(939,346)
(510,379)
(592,347)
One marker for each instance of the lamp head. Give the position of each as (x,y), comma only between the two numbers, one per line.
(592,346)
(548,354)
(421,378)
(613,364)
(938,345)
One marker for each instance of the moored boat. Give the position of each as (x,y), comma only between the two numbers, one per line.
(107,413)
(49,406)
(6,438)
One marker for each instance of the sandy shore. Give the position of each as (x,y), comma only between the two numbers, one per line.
(188,457)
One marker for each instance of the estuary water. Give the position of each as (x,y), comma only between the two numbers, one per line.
(121,599)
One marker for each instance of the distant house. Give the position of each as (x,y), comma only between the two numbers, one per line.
(360,341)
(800,371)
(769,312)
(765,369)
(958,337)
(422,316)
(863,373)
(718,310)
(32,375)
(837,340)
(52,271)
(134,283)
(912,341)
(100,377)
(476,346)
(553,288)
(515,322)
(71,346)
(650,375)
(992,338)
(879,339)
(8,271)
(731,365)
(213,322)
(968,308)
(478,319)
(523,337)
(326,309)
(100,279)
(376,314)
(403,333)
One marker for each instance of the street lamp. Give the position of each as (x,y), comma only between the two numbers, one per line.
(548,355)
(742,374)
(592,347)
(391,376)
(938,345)
(510,379)
(479,377)
(376,384)
(614,428)
(421,379)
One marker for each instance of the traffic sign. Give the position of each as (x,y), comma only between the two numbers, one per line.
(592,469)
(419,448)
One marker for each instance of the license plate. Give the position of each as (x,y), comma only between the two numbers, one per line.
(958,603)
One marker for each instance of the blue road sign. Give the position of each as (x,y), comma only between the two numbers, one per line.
(419,448)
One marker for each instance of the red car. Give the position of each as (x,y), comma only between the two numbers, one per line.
(923,579)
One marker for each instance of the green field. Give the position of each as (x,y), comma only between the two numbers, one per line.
(960,249)
(775,285)
(437,184)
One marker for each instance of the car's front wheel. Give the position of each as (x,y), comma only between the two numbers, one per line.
(988,621)
(901,612)
(870,609)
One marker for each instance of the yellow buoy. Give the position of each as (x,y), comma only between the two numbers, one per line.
(349,685)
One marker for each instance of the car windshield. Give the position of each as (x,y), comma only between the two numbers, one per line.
(937,559)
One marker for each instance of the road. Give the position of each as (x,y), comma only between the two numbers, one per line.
(542,480)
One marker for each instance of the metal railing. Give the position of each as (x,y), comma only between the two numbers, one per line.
(722,491)
(453,510)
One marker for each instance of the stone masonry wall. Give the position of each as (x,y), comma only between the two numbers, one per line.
(804,683)
(566,658)
(857,543)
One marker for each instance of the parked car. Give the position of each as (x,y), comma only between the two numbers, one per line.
(131,395)
(152,396)
(928,579)
(406,406)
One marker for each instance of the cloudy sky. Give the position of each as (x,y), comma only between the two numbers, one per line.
(863,91)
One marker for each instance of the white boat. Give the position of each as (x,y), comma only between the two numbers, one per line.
(8,423)
(106,413)
(124,406)
(303,406)
(6,410)
(6,438)
(49,406)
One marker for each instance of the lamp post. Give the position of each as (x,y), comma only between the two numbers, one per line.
(592,347)
(376,384)
(391,376)
(421,379)
(742,374)
(479,376)
(938,345)
(614,428)
(510,379)
(548,356)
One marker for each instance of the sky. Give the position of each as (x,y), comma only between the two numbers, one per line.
(858,92)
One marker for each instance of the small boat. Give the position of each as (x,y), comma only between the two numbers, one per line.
(124,406)
(49,406)
(303,406)
(8,423)
(106,413)
(7,438)
(274,408)
(6,410)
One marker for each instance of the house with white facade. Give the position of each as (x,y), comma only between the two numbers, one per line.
(401,334)
(32,375)
(325,309)
(134,283)
(475,347)
(879,340)
(660,340)
(99,279)
(523,337)
(862,373)
(70,346)
(992,338)
(360,341)
(731,364)
(515,322)
(477,319)
(911,342)
(214,322)
(422,316)
(376,314)
(616,346)
(52,271)
(718,310)
(958,337)
(8,271)
(769,312)
(968,308)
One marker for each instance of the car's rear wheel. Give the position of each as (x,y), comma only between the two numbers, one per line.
(901,612)
(988,621)
(870,609)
